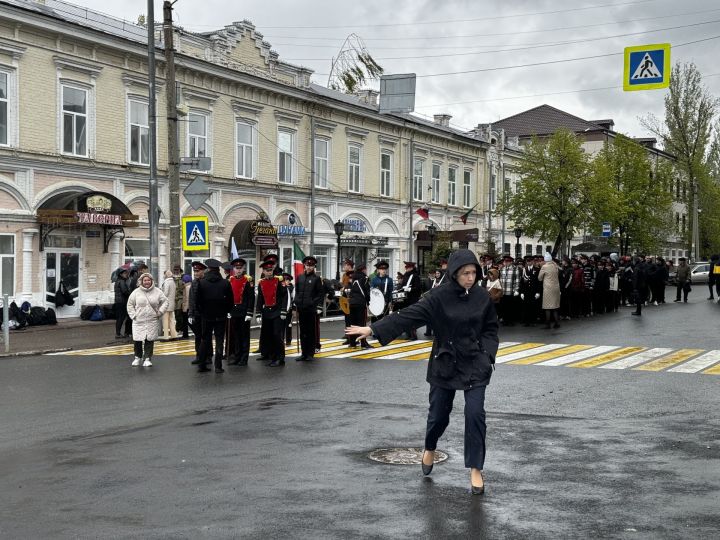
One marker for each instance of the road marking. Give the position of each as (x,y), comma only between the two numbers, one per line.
(562,360)
(713,370)
(516,348)
(607,357)
(635,359)
(534,349)
(699,363)
(675,358)
(403,356)
(533,359)
(404,346)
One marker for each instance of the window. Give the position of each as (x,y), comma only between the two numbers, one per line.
(7,264)
(246,143)
(506,247)
(197,135)
(528,249)
(322,155)
(74,122)
(386,174)
(452,183)
(4,107)
(548,249)
(322,254)
(139,133)
(684,219)
(138,250)
(435,186)
(493,188)
(286,147)
(385,254)
(354,168)
(538,250)
(466,189)
(677,222)
(417,184)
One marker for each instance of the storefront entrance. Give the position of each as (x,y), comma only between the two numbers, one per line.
(62,263)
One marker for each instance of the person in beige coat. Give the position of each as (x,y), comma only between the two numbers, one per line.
(549,276)
(145,307)
(168,319)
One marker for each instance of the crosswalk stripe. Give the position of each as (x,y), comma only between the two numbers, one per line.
(665,362)
(506,344)
(402,356)
(390,350)
(327,352)
(713,370)
(535,358)
(636,359)
(696,364)
(503,358)
(567,359)
(516,348)
(422,356)
(605,358)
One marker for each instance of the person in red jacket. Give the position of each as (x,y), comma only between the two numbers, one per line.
(240,315)
(272,306)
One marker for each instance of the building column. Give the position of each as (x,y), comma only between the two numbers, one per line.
(116,257)
(27,273)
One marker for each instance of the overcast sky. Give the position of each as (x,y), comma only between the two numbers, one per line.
(467,35)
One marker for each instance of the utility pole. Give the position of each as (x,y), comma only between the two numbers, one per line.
(153,214)
(176,255)
(313,175)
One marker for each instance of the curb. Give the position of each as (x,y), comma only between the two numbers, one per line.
(34,353)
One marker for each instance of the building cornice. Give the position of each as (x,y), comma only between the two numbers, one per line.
(15,51)
(81,66)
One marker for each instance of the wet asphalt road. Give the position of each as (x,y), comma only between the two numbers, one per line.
(91,448)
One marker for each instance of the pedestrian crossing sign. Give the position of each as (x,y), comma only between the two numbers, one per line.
(647,67)
(195,233)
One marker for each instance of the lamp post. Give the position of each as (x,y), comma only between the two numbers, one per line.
(518,234)
(431,230)
(339,229)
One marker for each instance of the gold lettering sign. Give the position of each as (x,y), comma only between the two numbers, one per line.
(262,228)
(99,219)
(98,204)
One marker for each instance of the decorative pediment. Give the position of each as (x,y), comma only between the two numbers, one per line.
(356,132)
(287,117)
(194,93)
(387,140)
(130,80)
(245,108)
(15,51)
(88,68)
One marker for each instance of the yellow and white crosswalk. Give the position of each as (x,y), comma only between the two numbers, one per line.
(510,352)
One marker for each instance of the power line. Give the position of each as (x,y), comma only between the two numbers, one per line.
(529,47)
(493,18)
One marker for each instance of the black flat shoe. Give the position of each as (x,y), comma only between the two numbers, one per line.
(219,370)
(195,362)
(427,469)
(203,369)
(300,359)
(475,490)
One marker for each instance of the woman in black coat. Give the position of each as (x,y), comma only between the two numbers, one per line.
(462,358)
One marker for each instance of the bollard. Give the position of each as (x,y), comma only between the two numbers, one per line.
(6,322)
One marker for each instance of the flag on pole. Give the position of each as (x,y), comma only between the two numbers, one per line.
(423,211)
(233,249)
(298,256)
(465,216)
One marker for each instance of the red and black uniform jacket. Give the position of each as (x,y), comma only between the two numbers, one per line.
(272,298)
(243,296)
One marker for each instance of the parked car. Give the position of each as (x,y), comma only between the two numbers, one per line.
(699,273)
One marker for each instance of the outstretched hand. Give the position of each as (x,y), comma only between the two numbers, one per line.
(359,331)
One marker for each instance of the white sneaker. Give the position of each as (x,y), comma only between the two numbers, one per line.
(147,363)
(655,303)
(137,361)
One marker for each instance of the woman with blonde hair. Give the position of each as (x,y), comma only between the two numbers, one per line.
(145,307)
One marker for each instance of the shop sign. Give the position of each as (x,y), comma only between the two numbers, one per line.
(355,225)
(364,240)
(291,230)
(263,233)
(98,204)
(91,218)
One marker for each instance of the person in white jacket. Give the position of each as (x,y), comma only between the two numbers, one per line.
(145,307)
(169,288)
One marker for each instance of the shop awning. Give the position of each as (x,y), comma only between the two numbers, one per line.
(249,233)
(464,235)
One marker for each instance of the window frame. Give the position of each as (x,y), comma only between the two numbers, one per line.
(130,101)
(320,182)
(467,188)
(293,150)
(435,182)
(417,180)
(492,189)
(253,147)
(208,139)
(87,115)
(12,256)
(386,174)
(11,107)
(452,185)
(357,166)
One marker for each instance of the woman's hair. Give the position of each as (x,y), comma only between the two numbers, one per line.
(168,273)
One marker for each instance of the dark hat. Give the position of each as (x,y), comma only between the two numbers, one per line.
(121,269)
(238,261)
(360,267)
(507,258)
(271,257)
(213,263)
(177,268)
(682,259)
(349,262)
(382,265)
(197,265)
(267,264)
(410,264)
(312,261)
(226,266)
(287,276)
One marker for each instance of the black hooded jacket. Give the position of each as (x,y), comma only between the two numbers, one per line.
(214,296)
(465,327)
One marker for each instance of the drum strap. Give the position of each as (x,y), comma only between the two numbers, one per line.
(359,287)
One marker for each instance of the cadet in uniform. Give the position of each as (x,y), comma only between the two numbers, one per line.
(359,295)
(272,306)
(309,293)
(214,301)
(412,288)
(384,283)
(243,302)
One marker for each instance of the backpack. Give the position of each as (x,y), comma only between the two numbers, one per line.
(97,314)
(37,316)
(87,312)
(16,313)
(50,316)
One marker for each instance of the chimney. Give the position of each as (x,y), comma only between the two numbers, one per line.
(442,119)
(368,96)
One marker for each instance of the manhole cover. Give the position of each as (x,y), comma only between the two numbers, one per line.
(403,456)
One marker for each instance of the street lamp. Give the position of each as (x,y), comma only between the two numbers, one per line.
(431,230)
(518,234)
(339,229)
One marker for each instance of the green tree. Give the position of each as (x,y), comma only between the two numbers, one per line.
(554,197)
(638,202)
(689,112)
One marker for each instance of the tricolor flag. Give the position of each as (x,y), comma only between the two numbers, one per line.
(423,211)
(298,256)
(233,249)
(465,216)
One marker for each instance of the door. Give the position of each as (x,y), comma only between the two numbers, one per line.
(62,265)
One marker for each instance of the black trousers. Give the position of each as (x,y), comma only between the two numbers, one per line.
(149,346)
(681,289)
(307,320)
(196,327)
(441,404)
(239,339)
(209,328)
(120,316)
(272,338)
(358,317)
(181,322)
